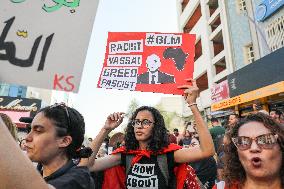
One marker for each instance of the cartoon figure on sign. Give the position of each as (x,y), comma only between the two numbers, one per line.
(153,75)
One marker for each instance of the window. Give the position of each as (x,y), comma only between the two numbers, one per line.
(184,3)
(213,6)
(20,92)
(202,82)
(241,6)
(275,34)
(4,89)
(13,91)
(198,50)
(193,20)
(249,54)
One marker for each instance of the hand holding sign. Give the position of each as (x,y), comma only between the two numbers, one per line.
(190,92)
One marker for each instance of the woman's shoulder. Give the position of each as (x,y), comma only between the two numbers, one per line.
(78,177)
(79,172)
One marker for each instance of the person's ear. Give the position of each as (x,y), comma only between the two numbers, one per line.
(65,141)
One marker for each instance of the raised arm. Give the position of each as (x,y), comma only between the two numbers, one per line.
(112,122)
(16,170)
(206,148)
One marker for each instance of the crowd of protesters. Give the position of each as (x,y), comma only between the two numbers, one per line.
(248,151)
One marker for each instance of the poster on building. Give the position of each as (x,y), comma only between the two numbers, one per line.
(44,43)
(220,91)
(148,62)
(267,8)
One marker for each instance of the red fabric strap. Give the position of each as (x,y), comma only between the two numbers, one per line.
(146,153)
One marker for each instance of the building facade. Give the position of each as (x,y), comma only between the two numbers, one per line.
(230,36)
(207,19)
(256,30)
(12,90)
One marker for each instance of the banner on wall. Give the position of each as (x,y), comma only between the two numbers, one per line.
(43,43)
(220,91)
(148,62)
(267,8)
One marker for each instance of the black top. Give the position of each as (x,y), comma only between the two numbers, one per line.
(206,171)
(146,173)
(70,176)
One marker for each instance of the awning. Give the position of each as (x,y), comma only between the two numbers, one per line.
(249,96)
(261,73)
(221,113)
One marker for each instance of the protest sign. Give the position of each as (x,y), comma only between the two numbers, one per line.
(44,43)
(149,62)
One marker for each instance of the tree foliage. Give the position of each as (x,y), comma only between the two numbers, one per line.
(132,107)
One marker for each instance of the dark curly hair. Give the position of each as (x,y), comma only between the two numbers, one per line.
(68,121)
(159,137)
(234,171)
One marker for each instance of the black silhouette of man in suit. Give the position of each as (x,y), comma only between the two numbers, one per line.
(153,75)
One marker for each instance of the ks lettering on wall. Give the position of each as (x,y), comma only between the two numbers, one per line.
(148,62)
(43,43)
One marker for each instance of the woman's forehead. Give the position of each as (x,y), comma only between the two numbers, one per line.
(253,129)
(41,119)
(144,113)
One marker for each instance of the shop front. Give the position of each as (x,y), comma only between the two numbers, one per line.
(259,85)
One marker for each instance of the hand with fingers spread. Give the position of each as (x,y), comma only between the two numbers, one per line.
(113,121)
(190,91)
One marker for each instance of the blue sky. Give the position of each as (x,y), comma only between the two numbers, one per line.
(119,16)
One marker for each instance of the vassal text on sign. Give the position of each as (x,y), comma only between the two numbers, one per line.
(124,60)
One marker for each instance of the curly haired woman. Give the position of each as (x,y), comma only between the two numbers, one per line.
(146,140)
(254,158)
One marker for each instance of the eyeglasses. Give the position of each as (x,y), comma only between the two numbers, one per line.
(145,123)
(266,141)
(65,107)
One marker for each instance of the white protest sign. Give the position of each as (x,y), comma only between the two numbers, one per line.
(44,43)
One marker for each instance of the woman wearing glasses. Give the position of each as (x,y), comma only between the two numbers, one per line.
(55,139)
(254,158)
(146,144)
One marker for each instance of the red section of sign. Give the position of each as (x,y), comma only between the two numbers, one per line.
(177,60)
(220,91)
